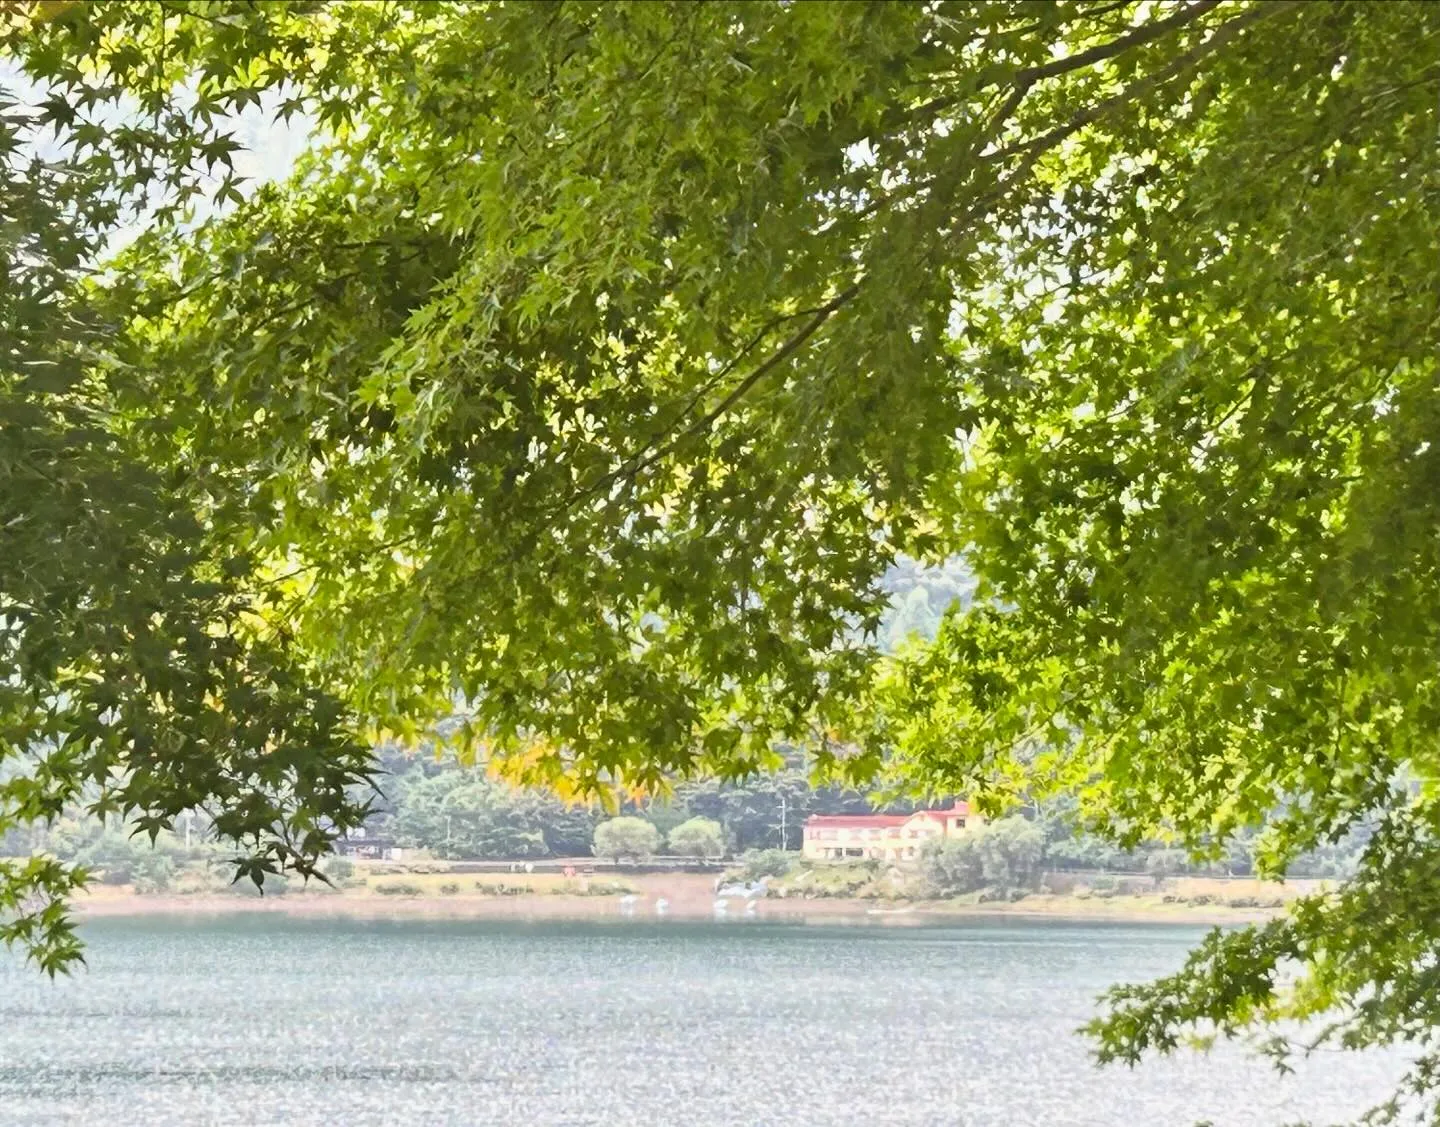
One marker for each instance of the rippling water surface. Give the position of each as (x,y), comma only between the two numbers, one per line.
(259,1020)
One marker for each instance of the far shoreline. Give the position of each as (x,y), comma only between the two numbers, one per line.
(120,903)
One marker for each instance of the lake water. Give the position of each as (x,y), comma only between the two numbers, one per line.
(255,1020)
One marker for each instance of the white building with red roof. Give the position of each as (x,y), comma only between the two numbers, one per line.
(881,837)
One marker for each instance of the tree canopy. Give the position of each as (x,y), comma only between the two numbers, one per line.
(697,837)
(598,361)
(627,838)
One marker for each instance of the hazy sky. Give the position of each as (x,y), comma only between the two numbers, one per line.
(270,151)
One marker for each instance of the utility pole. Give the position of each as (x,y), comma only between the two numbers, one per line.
(784,836)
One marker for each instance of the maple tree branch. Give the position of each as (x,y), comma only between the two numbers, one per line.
(1103,9)
(658,445)
(714,381)
(823,314)
(1119,45)
(1225,32)
(1025,79)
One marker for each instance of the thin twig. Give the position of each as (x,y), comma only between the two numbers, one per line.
(1024,80)
(638,465)
(1120,44)
(656,446)
(1222,35)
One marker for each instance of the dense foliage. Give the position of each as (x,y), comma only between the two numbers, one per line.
(139,674)
(601,359)
(1003,856)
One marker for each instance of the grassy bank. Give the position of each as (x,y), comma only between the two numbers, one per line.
(874,883)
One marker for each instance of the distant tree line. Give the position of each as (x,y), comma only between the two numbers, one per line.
(461,813)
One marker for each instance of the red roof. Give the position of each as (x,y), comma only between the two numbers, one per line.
(857,821)
(879,821)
